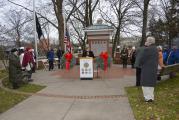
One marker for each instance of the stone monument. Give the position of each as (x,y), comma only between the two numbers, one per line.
(99,37)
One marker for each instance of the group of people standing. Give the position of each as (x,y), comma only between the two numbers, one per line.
(51,55)
(128,54)
(21,60)
(148,60)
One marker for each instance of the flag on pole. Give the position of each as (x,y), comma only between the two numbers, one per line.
(38,27)
(67,41)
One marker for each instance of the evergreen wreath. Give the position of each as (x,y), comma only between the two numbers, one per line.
(100,62)
(63,61)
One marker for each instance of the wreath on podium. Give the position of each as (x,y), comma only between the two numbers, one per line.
(68,60)
(103,61)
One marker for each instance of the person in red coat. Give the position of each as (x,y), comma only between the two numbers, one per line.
(28,62)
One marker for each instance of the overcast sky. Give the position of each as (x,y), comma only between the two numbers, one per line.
(29,4)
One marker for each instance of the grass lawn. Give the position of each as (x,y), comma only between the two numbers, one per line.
(9,99)
(165,106)
(3,73)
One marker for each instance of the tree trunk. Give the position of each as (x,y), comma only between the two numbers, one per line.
(90,13)
(18,44)
(58,7)
(116,39)
(145,15)
(87,13)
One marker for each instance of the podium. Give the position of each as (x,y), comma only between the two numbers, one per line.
(86,68)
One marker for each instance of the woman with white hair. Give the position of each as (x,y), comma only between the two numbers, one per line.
(149,65)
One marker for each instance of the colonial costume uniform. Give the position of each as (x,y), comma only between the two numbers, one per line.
(28,62)
(124,57)
(15,73)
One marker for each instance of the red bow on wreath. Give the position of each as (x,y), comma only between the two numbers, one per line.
(104,56)
(68,57)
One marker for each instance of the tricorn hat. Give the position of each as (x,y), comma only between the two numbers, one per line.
(14,50)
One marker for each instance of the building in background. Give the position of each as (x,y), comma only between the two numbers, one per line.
(99,36)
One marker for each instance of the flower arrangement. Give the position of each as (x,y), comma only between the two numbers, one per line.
(103,61)
(68,60)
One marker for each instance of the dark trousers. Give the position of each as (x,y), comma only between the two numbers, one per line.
(124,62)
(51,66)
(59,63)
(34,68)
(132,63)
(138,76)
(29,75)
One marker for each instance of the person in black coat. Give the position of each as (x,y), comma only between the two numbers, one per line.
(91,54)
(149,66)
(124,57)
(137,65)
(133,57)
(84,54)
(59,55)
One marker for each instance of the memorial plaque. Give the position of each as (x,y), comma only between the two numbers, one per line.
(86,68)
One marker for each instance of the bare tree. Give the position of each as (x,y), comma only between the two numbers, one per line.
(81,17)
(58,8)
(16,24)
(144,27)
(77,12)
(144,9)
(122,10)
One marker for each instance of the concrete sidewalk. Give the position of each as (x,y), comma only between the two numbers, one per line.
(105,99)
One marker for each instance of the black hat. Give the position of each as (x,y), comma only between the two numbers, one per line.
(14,50)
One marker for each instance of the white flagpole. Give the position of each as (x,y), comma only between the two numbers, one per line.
(35,35)
(64,18)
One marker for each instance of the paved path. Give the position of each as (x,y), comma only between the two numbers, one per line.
(74,99)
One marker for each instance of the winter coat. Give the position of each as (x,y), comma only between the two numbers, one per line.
(149,66)
(171,57)
(28,61)
(59,54)
(50,55)
(139,53)
(177,56)
(133,56)
(165,56)
(124,54)
(15,73)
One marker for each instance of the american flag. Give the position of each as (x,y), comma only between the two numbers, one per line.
(67,41)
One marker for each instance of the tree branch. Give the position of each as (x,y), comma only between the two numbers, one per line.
(32,11)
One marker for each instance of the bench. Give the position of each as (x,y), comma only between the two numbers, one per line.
(46,63)
(167,70)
